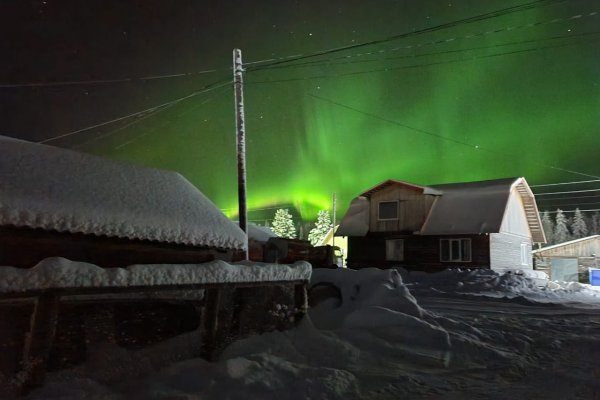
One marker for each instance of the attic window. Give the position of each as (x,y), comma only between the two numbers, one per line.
(455,250)
(388,210)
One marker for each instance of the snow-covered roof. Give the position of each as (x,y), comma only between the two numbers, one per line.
(570,242)
(459,208)
(57,189)
(259,233)
(356,219)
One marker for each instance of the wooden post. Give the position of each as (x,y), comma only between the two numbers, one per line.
(333,218)
(38,343)
(211,323)
(301,302)
(240,127)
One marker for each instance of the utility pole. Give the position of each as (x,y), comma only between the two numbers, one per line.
(333,217)
(240,127)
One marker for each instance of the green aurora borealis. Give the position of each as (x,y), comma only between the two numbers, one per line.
(524,111)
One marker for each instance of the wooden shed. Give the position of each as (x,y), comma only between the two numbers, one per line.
(486,224)
(70,222)
(58,202)
(569,260)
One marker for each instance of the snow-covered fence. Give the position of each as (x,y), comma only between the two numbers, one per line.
(231,301)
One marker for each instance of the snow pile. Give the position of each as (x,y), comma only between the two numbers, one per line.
(489,283)
(56,189)
(369,338)
(56,272)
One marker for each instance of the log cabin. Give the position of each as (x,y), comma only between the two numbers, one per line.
(60,203)
(486,224)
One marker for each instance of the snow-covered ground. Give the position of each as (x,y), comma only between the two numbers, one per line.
(382,334)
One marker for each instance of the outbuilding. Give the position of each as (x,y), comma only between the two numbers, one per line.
(570,261)
(56,202)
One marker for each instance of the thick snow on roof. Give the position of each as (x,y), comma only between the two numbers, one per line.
(356,219)
(377,340)
(471,207)
(459,208)
(59,272)
(56,189)
(259,233)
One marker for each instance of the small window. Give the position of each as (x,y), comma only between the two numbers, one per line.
(525,254)
(394,250)
(388,210)
(455,250)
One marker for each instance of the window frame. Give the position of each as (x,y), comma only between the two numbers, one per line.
(524,257)
(460,242)
(388,219)
(394,241)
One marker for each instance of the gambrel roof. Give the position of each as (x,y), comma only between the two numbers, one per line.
(56,189)
(459,208)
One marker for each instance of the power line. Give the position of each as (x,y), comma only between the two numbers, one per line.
(452,24)
(572,211)
(568,198)
(138,137)
(476,147)
(571,191)
(413,66)
(566,183)
(328,62)
(205,89)
(574,204)
(435,42)
(102,81)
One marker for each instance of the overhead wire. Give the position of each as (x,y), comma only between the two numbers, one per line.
(565,183)
(572,211)
(452,24)
(412,66)
(102,81)
(445,138)
(329,62)
(205,89)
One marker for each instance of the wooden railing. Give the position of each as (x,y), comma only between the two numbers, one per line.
(39,341)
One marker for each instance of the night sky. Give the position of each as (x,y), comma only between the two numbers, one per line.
(509,95)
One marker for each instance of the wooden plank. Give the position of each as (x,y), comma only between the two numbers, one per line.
(39,340)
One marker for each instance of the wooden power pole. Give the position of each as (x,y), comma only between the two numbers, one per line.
(333,217)
(240,127)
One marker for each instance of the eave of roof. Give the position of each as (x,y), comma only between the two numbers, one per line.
(407,185)
(556,246)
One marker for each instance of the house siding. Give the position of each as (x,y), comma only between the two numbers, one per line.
(412,210)
(515,219)
(420,252)
(505,251)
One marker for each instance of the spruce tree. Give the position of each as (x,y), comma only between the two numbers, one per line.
(548,226)
(322,226)
(595,224)
(561,231)
(579,227)
(283,225)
